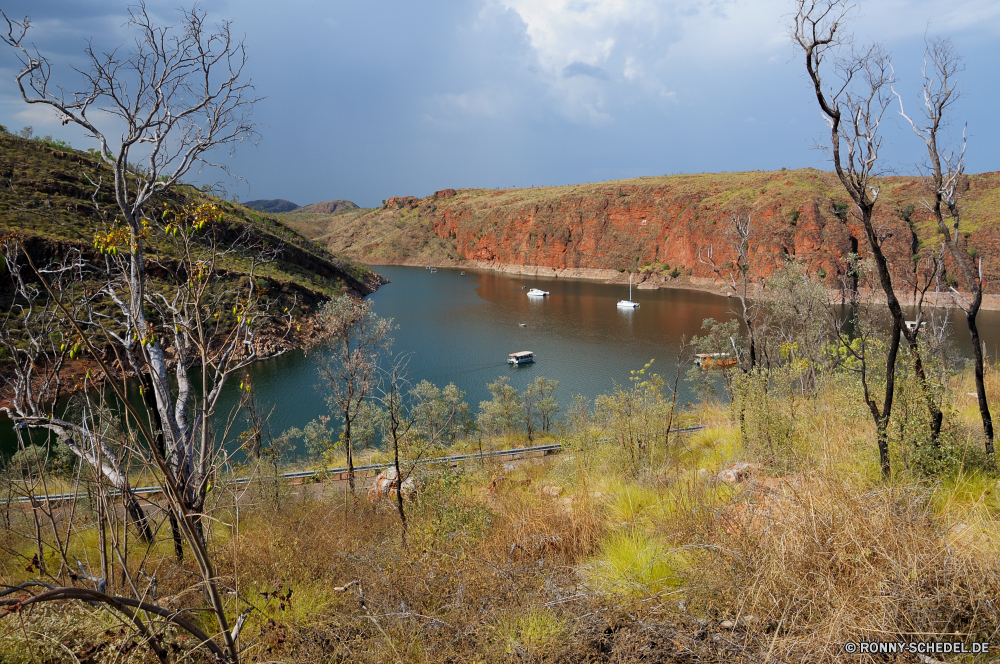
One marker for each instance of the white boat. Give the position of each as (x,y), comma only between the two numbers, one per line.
(628,304)
(534,292)
(521,357)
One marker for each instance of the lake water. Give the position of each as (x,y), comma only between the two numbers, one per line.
(460,329)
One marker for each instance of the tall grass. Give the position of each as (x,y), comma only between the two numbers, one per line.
(586,556)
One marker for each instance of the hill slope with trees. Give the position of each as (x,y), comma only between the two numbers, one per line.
(49,199)
(47,195)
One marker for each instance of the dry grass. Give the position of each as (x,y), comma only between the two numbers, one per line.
(578,558)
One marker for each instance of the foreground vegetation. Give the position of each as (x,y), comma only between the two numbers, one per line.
(628,546)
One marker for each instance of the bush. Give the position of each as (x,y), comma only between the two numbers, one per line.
(634,560)
(57,459)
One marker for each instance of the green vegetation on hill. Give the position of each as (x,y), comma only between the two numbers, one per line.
(48,195)
(328,207)
(377,236)
(272,206)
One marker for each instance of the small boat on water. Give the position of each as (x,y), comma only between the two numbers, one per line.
(535,292)
(521,357)
(433,270)
(628,304)
(714,361)
(523,324)
(463,273)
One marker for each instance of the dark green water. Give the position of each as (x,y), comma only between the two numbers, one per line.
(460,329)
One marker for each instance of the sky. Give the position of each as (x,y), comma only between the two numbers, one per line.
(366,100)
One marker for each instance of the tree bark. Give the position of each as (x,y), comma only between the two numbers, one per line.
(984,407)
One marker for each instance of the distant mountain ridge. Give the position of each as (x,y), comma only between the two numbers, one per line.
(328,207)
(271,206)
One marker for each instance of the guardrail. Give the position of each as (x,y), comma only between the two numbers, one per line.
(341,472)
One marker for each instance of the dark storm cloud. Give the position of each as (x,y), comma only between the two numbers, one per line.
(379,98)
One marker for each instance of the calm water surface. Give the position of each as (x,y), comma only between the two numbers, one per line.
(460,329)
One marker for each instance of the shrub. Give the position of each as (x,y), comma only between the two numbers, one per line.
(533,633)
(57,459)
(634,561)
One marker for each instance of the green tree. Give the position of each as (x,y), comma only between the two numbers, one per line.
(349,368)
(636,416)
(540,406)
(460,420)
(439,413)
(503,414)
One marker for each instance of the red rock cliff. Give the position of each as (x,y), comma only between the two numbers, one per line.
(666,221)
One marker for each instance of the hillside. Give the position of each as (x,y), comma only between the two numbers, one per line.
(656,225)
(271,206)
(326,207)
(45,195)
(315,225)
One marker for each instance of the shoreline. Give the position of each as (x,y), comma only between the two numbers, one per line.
(270,343)
(991,302)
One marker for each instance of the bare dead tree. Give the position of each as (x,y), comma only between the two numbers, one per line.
(349,369)
(400,421)
(177,96)
(945,178)
(853,108)
(739,278)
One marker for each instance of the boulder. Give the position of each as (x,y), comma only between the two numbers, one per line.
(387,482)
(738,472)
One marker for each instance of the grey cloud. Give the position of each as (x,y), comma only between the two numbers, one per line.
(583,69)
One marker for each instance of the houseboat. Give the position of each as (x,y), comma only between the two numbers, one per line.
(715,361)
(521,357)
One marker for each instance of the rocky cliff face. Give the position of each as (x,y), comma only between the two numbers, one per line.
(665,223)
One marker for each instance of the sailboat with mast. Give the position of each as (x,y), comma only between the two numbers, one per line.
(628,304)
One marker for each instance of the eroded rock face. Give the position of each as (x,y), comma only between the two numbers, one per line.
(669,222)
(401,202)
